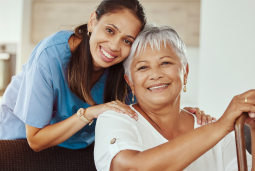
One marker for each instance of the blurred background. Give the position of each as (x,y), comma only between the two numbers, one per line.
(219,35)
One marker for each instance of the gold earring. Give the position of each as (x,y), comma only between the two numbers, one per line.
(133,97)
(185,88)
(89,33)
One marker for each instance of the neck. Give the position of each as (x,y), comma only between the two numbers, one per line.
(169,120)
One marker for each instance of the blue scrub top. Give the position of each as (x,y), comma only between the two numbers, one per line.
(39,95)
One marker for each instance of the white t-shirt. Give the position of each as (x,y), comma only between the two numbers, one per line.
(116,132)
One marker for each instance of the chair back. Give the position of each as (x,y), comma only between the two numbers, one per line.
(240,142)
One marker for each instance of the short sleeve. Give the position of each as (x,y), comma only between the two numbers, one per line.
(35,98)
(114,132)
(229,154)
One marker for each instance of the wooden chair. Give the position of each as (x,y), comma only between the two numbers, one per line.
(240,142)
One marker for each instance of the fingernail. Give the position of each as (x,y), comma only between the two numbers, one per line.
(203,123)
(252,115)
(130,115)
(199,122)
(209,121)
(121,112)
(136,118)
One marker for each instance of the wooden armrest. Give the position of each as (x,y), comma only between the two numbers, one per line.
(240,142)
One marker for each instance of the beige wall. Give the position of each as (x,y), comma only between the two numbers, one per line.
(183,15)
(51,16)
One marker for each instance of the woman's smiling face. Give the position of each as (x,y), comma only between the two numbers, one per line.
(112,37)
(157,76)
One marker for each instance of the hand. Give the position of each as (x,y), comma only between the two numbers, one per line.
(117,106)
(251,120)
(241,103)
(202,118)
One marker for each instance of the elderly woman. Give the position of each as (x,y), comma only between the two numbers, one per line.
(164,138)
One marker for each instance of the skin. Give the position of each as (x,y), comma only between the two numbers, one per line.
(185,144)
(114,33)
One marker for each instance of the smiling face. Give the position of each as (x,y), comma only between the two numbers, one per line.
(112,37)
(158,76)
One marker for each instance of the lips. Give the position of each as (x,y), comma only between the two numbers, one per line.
(106,55)
(160,86)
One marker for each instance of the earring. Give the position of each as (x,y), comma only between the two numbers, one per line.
(133,97)
(89,33)
(185,88)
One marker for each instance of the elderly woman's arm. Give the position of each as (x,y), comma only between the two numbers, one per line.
(174,155)
(119,147)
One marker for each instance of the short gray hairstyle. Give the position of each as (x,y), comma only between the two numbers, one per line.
(155,37)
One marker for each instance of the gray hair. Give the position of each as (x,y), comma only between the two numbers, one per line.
(155,37)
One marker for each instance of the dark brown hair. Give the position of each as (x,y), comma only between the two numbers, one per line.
(80,67)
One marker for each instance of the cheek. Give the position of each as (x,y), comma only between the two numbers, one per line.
(125,51)
(139,79)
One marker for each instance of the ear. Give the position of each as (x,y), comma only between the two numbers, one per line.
(129,82)
(187,72)
(92,21)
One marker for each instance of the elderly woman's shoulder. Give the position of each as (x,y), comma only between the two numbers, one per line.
(116,116)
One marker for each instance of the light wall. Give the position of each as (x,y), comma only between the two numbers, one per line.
(227,55)
(19,19)
(10,21)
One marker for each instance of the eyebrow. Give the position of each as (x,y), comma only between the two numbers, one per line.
(165,57)
(140,62)
(120,31)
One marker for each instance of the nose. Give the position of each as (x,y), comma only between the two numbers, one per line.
(156,74)
(114,44)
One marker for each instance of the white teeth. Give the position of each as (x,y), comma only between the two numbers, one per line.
(158,87)
(106,54)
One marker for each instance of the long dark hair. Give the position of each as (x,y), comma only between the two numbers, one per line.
(80,67)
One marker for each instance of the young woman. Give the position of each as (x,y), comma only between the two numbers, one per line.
(71,78)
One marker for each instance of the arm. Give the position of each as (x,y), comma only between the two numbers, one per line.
(61,131)
(174,155)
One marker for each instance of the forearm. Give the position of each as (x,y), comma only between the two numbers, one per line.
(54,134)
(174,155)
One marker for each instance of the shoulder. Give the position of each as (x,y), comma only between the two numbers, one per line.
(52,47)
(115,116)
(53,40)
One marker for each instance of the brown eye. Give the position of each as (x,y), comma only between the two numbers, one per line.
(109,30)
(165,63)
(126,41)
(143,67)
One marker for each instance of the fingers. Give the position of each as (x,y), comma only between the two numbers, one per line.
(204,117)
(247,108)
(123,108)
(190,109)
(209,119)
(251,115)
(249,93)
(199,116)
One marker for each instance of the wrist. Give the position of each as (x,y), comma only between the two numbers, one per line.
(223,126)
(81,114)
(88,114)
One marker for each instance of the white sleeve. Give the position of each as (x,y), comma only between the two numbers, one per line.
(114,132)
(229,154)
